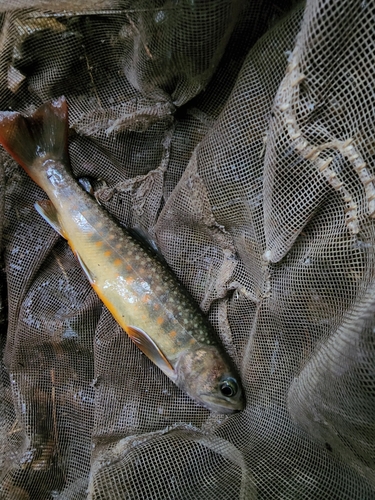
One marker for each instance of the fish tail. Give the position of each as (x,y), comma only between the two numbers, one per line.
(32,139)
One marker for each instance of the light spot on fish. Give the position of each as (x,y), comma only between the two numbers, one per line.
(159,320)
(99,243)
(129,280)
(172,334)
(107,253)
(117,262)
(156,307)
(121,287)
(80,220)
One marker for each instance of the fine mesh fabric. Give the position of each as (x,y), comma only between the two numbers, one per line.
(238,136)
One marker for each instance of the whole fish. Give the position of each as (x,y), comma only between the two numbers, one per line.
(142,294)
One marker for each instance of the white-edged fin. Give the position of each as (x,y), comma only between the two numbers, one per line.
(85,269)
(150,348)
(49,213)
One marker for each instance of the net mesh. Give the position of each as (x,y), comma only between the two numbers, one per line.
(238,136)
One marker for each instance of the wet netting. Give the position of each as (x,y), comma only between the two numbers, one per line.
(238,137)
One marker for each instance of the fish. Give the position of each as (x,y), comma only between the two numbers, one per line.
(141,292)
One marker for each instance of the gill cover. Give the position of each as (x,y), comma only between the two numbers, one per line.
(205,375)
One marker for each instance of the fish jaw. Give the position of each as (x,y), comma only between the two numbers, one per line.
(221,405)
(201,372)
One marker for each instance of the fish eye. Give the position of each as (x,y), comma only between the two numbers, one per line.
(228,387)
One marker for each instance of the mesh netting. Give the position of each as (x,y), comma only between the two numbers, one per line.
(238,136)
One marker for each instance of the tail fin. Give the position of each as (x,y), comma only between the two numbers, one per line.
(40,136)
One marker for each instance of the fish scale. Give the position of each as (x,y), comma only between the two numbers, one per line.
(141,293)
(165,291)
(133,261)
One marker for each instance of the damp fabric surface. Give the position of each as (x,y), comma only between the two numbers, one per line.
(238,137)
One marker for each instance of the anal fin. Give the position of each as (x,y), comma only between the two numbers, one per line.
(150,349)
(49,213)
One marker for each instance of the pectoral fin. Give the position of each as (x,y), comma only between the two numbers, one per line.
(149,347)
(49,213)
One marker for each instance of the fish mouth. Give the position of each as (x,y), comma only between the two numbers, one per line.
(222,405)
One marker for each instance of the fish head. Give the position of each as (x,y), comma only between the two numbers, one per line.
(206,375)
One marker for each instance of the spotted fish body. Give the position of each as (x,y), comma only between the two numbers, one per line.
(141,293)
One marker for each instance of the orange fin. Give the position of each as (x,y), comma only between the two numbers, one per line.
(40,136)
(149,347)
(49,213)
